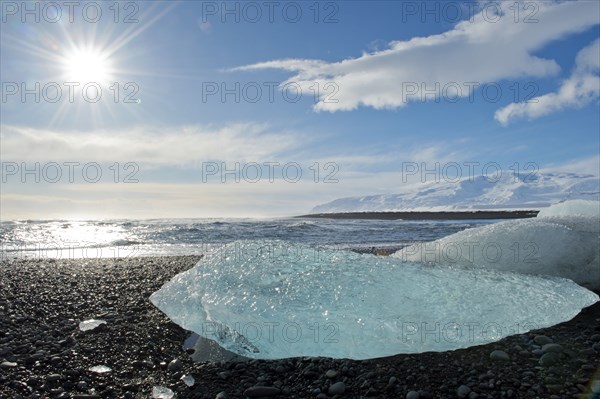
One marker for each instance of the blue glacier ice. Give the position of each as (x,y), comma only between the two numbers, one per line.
(563,240)
(274,299)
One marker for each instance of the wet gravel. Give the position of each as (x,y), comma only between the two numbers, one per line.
(43,353)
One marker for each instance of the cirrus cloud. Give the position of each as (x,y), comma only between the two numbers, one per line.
(179,145)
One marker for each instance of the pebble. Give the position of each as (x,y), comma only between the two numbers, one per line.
(260,391)
(537,352)
(463,391)
(175,365)
(554,387)
(224,375)
(542,340)
(34,381)
(331,374)
(36,356)
(556,348)
(337,389)
(499,355)
(142,364)
(595,337)
(549,359)
(6,365)
(569,352)
(412,395)
(53,377)
(221,395)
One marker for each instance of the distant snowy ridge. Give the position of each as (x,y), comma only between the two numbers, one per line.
(510,191)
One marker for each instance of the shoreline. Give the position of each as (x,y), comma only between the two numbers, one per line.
(43,301)
(424,215)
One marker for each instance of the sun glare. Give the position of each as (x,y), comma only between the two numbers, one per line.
(85,66)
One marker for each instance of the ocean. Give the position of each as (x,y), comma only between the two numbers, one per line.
(164,237)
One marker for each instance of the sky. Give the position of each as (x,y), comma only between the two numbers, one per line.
(139,109)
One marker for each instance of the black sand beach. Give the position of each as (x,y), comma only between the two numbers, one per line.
(44,354)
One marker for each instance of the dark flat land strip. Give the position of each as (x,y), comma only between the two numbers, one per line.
(449,215)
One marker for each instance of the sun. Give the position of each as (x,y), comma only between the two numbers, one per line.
(87,66)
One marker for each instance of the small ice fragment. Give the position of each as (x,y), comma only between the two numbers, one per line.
(188,380)
(88,325)
(162,393)
(100,369)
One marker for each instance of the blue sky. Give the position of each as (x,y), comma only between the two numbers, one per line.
(506,85)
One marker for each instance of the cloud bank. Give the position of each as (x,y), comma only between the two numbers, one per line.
(488,48)
(151,145)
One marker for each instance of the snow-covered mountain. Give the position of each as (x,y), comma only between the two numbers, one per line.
(510,191)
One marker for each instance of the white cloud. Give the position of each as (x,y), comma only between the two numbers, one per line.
(487,49)
(590,165)
(374,170)
(165,200)
(580,89)
(170,146)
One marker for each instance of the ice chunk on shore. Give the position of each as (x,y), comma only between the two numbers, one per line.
(572,208)
(91,324)
(188,380)
(100,369)
(159,392)
(272,299)
(563,241)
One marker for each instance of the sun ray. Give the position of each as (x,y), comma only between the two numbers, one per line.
(131,33)
(84,53)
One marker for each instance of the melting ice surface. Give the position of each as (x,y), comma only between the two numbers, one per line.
(269,299)
(100,369)
(159,392)
(563,240)
(91,324)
